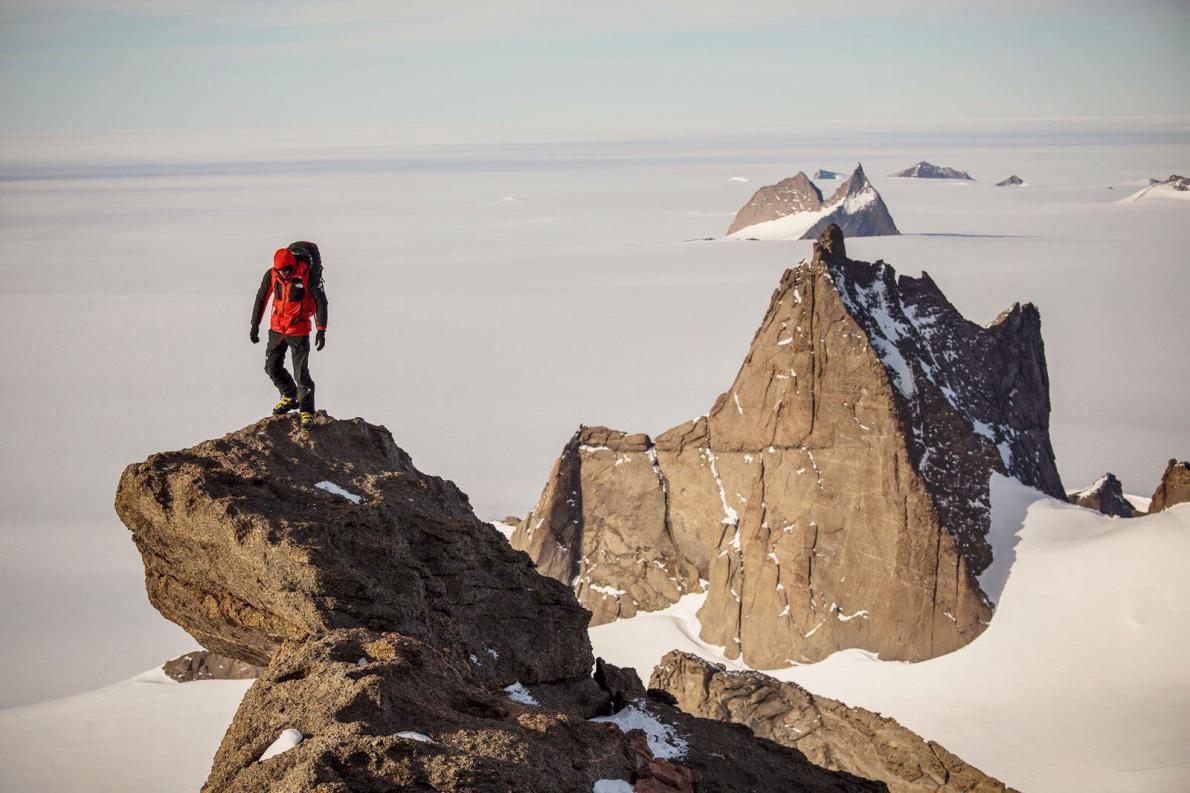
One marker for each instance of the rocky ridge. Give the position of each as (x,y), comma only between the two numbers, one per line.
(1174,487)
(1105,495)
(380,711)
(927,170)
(835,496)
(794,209)
(822,173)
(407,645)
(830,733)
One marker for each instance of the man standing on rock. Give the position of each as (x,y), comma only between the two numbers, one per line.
(295,283)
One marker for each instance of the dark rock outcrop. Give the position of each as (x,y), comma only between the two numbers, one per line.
(622,685)
(1012,181)
(1105,495)
(206,665)
(835,496)
(256,538)
(380,711)
(830,733)
(1174,487)
(927,170)
(855,207)
(822,173)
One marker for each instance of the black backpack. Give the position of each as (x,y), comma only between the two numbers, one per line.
(308,253)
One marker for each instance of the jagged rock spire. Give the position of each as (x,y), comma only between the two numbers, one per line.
(836,495)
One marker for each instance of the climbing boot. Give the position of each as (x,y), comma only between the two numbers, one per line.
(284,406)
(307,420)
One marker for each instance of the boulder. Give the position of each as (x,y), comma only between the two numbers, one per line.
(622,685)
(1105,495)
(1174,487)
(274,533)
(835,496)
(206,665)
(381,711)
(830,733)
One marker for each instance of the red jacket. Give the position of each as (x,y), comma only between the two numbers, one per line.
(294,297)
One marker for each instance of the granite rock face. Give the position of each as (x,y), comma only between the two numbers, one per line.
(1174,487)
(381,711)
(1105,495)
(794,209)
(257,538)
(835,496)
(927,170)
(830,733)
(206,665)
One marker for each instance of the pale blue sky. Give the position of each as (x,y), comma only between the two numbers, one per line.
(516,69)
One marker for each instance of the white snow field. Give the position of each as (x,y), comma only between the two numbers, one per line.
(148,734)
(1080,682)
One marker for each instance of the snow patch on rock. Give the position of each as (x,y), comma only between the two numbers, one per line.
(664,740)
(331,487)
(285,741)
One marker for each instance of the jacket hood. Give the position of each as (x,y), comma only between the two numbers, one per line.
(284,258)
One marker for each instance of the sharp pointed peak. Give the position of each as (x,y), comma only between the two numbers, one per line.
(829,247)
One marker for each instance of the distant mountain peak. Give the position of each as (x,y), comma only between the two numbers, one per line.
(1175,187)
(1105,495)
(794,209)
(927,170)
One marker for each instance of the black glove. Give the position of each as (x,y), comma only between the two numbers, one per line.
(320,339)
(254,334)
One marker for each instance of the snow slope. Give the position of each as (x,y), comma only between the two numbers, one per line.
(790,227)
(1079,684)
(148,734)
(1161,190)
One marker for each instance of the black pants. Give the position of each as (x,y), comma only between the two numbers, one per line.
(274,365)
